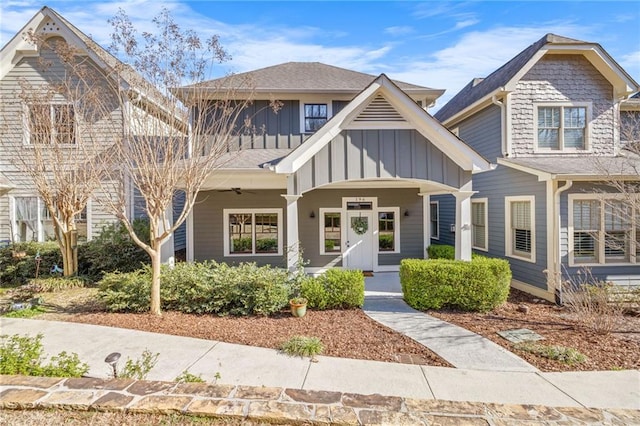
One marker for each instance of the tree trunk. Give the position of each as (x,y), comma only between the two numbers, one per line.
(69,254)
(156,262)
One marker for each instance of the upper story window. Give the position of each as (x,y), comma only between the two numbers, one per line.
(52,123)
(562,128)
(315,115)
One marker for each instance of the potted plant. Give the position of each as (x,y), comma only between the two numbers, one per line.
(298,306)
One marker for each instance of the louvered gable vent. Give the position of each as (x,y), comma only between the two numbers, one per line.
(379,110)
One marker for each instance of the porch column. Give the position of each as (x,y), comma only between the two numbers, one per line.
(426,222)
(293,244)
(463,224)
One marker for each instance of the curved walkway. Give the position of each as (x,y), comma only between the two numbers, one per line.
(460,347)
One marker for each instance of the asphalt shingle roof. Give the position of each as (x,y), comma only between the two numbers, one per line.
(252,158)
(626,165)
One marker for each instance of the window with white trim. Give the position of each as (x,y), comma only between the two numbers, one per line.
(520,227)
(249,232)
(51,123)
(330,231)
(479,224)
(389,230)
(434,217)
(603,230)
(33,222)
(315,115)
(561,128)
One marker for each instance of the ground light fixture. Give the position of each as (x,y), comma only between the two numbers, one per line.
(112,360)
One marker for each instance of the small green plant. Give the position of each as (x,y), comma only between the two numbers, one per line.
(187,377)
(569,356)
(139,368)
(24,355)
(25,313)
(302,346)
(54,284)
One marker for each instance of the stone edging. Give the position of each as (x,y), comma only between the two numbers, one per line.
(281,405)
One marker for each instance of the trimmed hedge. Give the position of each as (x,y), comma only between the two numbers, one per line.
(201,288)
(444,251)
(334,289)
(479,285)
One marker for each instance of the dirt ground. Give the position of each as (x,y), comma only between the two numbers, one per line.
(351,334)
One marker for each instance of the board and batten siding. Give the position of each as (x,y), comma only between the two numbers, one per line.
(622,274)
(483,132)
(13,149)
(372,154)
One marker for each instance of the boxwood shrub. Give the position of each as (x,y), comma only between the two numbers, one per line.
(202,288)
(334,289)
(444,251)
(479,285)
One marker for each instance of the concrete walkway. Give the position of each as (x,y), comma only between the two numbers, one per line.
(460,347)
(246,365)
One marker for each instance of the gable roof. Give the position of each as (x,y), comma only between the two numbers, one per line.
(307,77)
(459,152)
(480,89)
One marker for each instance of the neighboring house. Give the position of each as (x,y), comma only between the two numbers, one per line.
(346,169)
(23,216)
(550,118)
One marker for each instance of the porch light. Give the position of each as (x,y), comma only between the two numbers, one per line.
(312,215)
(406,212)
(112,360)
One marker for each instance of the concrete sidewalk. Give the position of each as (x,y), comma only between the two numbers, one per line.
(460,347)
(245,365)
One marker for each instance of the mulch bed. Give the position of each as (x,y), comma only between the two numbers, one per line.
(619,350)
(344,333)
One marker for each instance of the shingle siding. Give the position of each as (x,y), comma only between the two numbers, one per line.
(563,78)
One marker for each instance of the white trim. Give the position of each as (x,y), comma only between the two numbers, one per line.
(26,121)
(508,249)
(426,224)
(602,261)
(396,229)
(321,213)
(225,232)
(485,201)
(314,100)
(588,106)
(374,227)
(89,207)
(533,290)
(190,242)
(437,204)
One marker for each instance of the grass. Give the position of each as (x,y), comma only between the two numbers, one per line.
(569,356)
(25,313)
(302,346)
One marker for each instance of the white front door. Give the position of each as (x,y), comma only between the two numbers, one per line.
(359,244)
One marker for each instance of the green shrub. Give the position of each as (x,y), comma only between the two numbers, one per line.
(201,288)
(241,244)
(479,285)
(18,270)
(113,250)
(24,355)
(53,284)
(139,368)
(385,241)
(302,346)
(335,289)
(186,377)
(444,251)
(267,245)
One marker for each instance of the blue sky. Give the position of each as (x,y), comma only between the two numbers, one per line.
(437,44)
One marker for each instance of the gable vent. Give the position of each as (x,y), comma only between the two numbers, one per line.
(379,110)
(50,27)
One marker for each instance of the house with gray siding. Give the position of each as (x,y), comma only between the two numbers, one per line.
(28,62)
(342,174)
(550,118)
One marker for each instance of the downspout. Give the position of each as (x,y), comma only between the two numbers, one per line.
(503,124)
(557,260)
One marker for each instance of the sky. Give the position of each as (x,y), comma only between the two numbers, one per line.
(437,44)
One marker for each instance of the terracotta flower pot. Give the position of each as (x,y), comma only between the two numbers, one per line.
(298,307)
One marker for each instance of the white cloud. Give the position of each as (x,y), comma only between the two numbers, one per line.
(631,63)
(399,31)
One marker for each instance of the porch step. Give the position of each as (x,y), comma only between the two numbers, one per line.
(458,346)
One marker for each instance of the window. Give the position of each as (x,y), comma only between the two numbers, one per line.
(315,115)
(520,227)
(330,231)
(435,220)
(253,232)
(479,223)
(389,230)
(603,231)
(562,127)
(33,222)
(51,123)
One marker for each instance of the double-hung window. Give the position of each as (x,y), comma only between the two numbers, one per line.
(479,223)
(51,123)
(604,230)
(520,227)
(315,115)
(388,230)
(561,128)
(252,232)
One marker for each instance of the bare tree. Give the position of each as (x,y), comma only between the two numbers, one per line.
(62,165)
(172,144)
